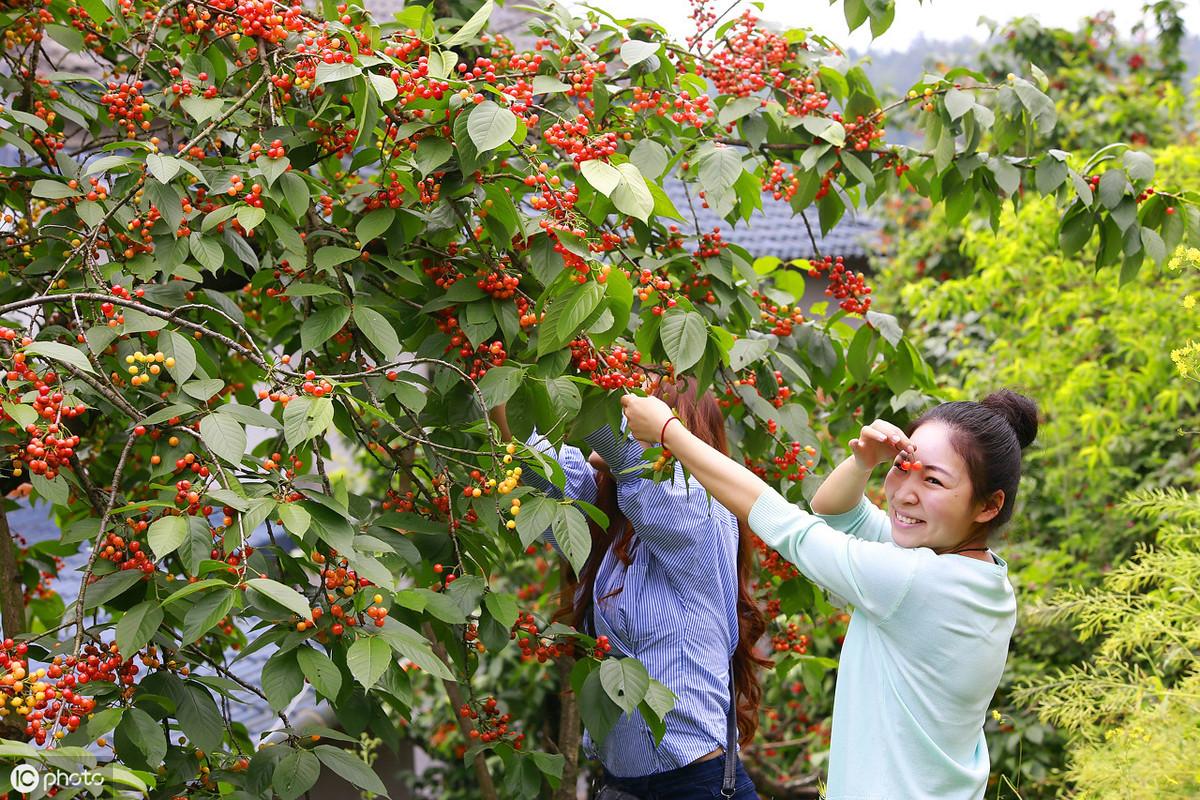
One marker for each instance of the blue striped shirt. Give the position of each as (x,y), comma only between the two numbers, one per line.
(677,612)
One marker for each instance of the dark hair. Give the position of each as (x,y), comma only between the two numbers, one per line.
(989,436)
(702,416)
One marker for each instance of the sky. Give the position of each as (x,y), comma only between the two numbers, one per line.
(932,19)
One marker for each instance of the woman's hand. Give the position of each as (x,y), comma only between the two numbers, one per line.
(646,416)
(879,442)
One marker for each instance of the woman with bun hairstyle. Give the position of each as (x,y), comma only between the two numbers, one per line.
(666,583)
(934,610)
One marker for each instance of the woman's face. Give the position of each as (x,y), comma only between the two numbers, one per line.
(933,506)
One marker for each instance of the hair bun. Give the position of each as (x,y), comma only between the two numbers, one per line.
(1020,411)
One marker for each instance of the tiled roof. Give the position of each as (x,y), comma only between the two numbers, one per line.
(776,230)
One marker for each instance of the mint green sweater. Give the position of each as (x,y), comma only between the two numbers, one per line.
(922,657)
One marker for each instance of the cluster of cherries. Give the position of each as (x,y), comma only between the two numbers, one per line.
(127,107)
(749,59)
(790,639)
(49,140)
(499,285)
(534,647)
(795,461)
(781,183)
(683,109)
(849,288)
(615,369)
(49,694)
(573,138)
(390,194)
(782,319)
(127,554)
(491,725)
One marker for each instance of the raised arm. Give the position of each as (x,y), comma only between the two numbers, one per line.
(733,486)
(874,576)
(843,489)
(670,516)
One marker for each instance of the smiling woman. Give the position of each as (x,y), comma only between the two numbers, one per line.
(934,609)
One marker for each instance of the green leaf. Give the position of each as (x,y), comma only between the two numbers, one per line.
(378,331)
(272,168)
(110,586)
(503,607)
(602,176)
(197,712)
(203,616)
(548,84)
(959,102)
(597,709)
(166,534)
(351,768)
(650,157)
(57,491)
(328,73)
(138,735)
(321,672)
(279,593)
(625,680)
(207,251)
(746,351)
(318,328)
(295,774)
(632,196)
(54,190)
(571,532)
(490,125)
(577,308)
(1112,188)
(294,517)
(537,514)
(384,86)
(499,384)
(62,353)
(164,168)
(413,646)
(371,226)
(1154,245)
(635,51)
(282,680)
(184,352)
(332,255)
(825,128)
(472,26)
(368,658)
(684,336)
(719,170)
(737,108)
(1139,165)
(137,626)
(202,109)
(224,436)
(432,152)
(250,216)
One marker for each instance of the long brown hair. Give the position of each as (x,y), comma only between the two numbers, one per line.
(702,416)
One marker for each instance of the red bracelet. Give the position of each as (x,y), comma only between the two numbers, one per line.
(663,432)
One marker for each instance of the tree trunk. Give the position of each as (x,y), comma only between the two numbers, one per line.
(568,732)
(12,600)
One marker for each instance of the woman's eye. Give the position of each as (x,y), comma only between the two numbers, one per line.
(934,480)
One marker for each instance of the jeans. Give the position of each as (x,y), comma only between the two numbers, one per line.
(698,781)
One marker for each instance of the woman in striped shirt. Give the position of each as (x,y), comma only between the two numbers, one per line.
(934,610)
(667,584)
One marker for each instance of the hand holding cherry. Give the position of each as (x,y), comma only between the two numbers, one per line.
(879,442)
